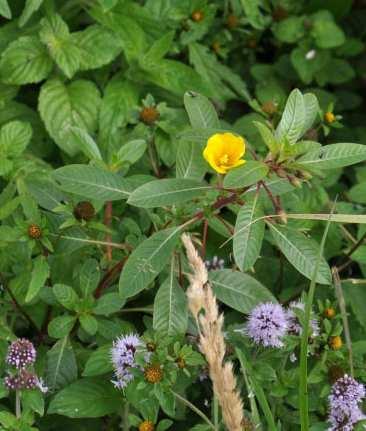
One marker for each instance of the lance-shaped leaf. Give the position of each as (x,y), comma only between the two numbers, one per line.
(248,234)
(160,193)
(190,163)
(170,308)
(40,273)
(92,182)
(147,261)
(301,252)
(293,118)
(238,290)
(250,173)
(201,112)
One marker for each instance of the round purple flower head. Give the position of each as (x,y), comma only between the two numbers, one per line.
(267,324)
(345,396)
(123,359)
(23,380)
(294,326)
(21,353)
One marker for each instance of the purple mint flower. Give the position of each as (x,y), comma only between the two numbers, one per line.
(21,353)
(214,264)
(23,380)
(123,359)
(294,326)
(345,396)
(267,325)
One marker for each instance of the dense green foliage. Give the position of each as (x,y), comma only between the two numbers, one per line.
(106,107)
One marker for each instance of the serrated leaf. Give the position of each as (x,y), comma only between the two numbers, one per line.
(301,252)
(248,236)
(40,273)
(147,261)
(238,290)
(14,138)
(99,362)
(334,156)
(91,182)
(250,173)
(293,118)
(25,61)
(170,308)
(86,398)
(157,51)
(61,326)
(30,7)
(165,192)
(89,277)
(108,304)
(65,295)
(89,323)
(201,111)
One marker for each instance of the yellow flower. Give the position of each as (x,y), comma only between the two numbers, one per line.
(329,117)
(224,151)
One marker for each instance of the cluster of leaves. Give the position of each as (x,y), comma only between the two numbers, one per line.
(105,109)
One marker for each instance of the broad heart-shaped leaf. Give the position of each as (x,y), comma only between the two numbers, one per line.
(99,362)
(238,290)
(40,273)
(189,162)
(246,175)
(201,112)
(14,138)
(334,156)
(61,365)
(30,7)
(25,61)
(165,192)
(170,308)
(301,252)
(55,35)
(92,182)
(86,398)
(64,106)
(147,261)
(248,236)
(293,118)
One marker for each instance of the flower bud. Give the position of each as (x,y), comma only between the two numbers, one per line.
(335,343)
(34,231)
(149,115)
(329,117)
(84,210)
(153,373)
(197,16)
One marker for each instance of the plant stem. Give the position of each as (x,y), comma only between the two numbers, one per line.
(18,407)
(125,422)
(195,409)
(108,213)
(303,388)
(204,238)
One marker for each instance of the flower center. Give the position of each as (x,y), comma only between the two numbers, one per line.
(224,159)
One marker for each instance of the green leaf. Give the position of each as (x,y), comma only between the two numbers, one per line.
(5,9)
(30,7)
(238,290)
(166,192)
(92,182)
(9,207)
(82,140)
(25,61)
(86,398)
(99,362)
(14,138)
(147,261)
(89,323)
(326,32)
(64,106)
(301,252)
(61,365)
(55,35)
(65,295)
(34,401)
(293,118)
(108,304)
(248,236)
(334,156)
(357,193)
(157,51)
(40,273)
(290,30)
(254,15)
(311,111)
(170,308)
(89,277)
(202,114)
(61,326)
(190,163)
(131,152)
(267,136)
(246,175)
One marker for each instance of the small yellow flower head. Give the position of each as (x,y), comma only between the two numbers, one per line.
(329,312)
(224,151)
(335,342)
(153,373)
(329,117)
(197,16)
(146,426)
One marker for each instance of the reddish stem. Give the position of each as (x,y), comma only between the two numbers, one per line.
(109,277)
(108,213)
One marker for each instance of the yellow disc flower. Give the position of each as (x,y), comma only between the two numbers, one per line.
(224,151)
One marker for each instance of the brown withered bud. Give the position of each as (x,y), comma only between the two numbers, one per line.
(252,43)
(232,21)
(84,210)
(197,16)
(151,347)
(279,14)
(181,363)
(149,115)
(34,231)
(216,47)
(312,135)
(269,107)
